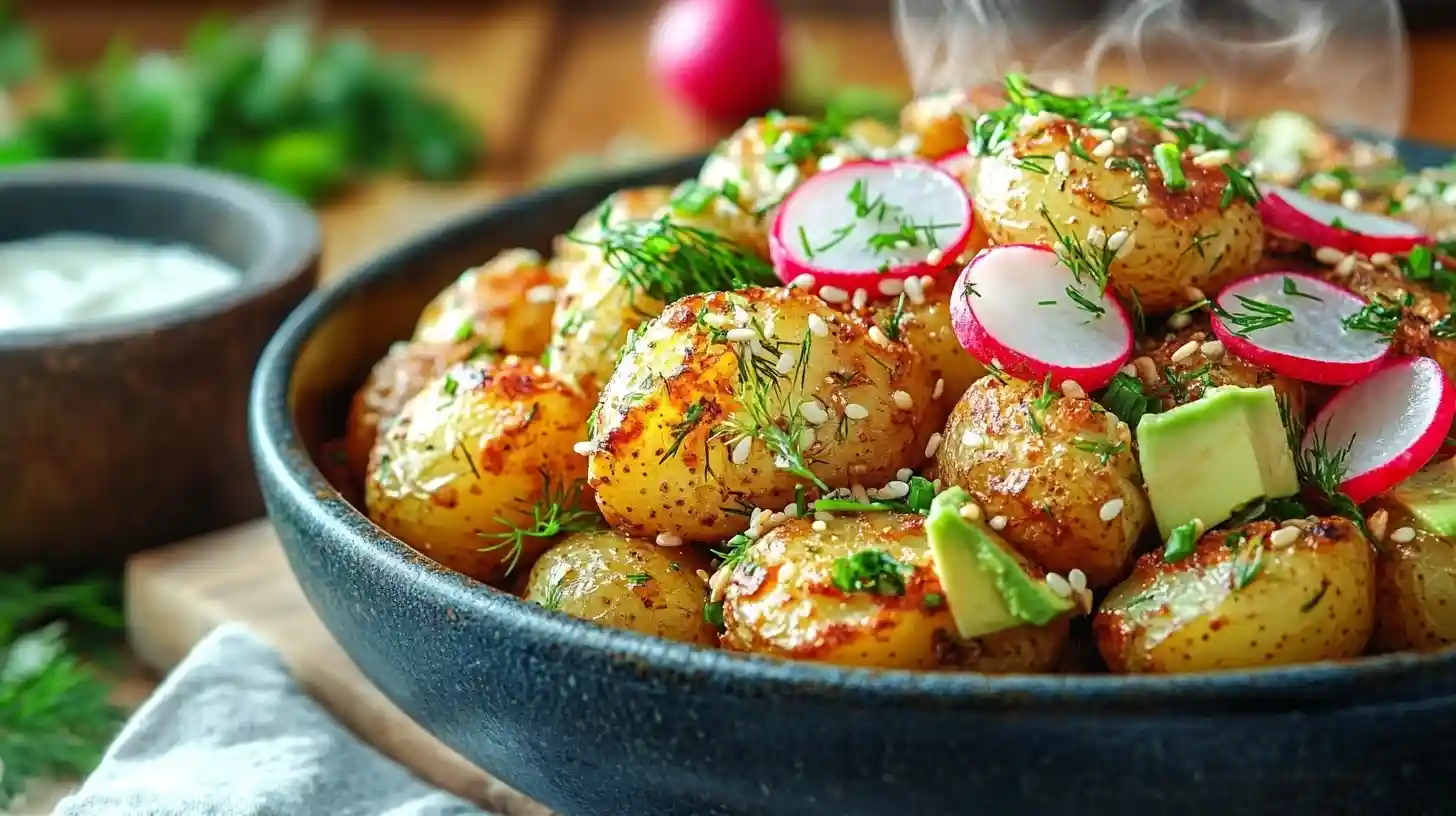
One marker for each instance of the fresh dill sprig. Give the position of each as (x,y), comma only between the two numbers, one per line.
(1103,449)
(891,327)
(1292,290)
(1181,383)
(1260,315)
(1321,467)
(765,395)
(692,417)
(556,511)
(1036,410)
(1240,186)
(1087,261)
(1380,316)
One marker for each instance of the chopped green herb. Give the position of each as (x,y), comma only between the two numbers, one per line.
(1260,315)
(1182,541)
(1240,186)
(692,417)
(1127,398)
(1380,316)
(638,579)
(1036,411)
(1292,290)
(1169,159)
(871,571)
(933,600)
(713,613)
(892,326)
(1247,566)
(1445,328)
(1088,262)
(557,510)
(1103,449)
(465,330)
(692,197)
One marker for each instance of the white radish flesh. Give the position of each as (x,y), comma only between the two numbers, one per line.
(1320,223)
(1392,424)
(1013,306)
(853,226)
(1312,344)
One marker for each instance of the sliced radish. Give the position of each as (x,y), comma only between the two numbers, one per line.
(1308,339)
(1014,306)
(962,165)
(853,226)
(1392,422)
(1320,223)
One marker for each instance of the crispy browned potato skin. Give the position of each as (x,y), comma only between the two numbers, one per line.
(1180,239)
(505,304)
(1415,589)
(399,375)
(1310,600)
(468,458)
(1195,374)
(655,472)
(1050,491)
(739,162)
(939,120)
(782,601)
(927,329)
(626,583)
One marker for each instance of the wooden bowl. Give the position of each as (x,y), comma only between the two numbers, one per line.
(131,432)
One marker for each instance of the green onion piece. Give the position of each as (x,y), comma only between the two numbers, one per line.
(692,197)
(922,493)
(847,506)
(713,613)
(1181,542)
(1169,160)
(1126,398)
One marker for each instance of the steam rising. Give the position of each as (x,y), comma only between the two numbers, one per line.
(1343,61)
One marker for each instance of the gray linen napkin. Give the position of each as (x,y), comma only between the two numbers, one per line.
(229,733)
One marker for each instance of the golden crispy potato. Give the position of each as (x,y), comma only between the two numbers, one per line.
(766,158)
(631,204)
(926,327)
(1422,307)
(1176,238)
(399,375)
(505,304)
(627,583)
(1415,587)
(1250,597)
(471,456)
(782,600)
(595,313)
(939,122)
(1183,381)
(698,421)
(1053,467)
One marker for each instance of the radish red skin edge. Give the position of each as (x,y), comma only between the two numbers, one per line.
(1379,476)
(981,343)
(785,243)
(1285,211)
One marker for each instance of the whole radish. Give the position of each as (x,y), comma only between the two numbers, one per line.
(722,58)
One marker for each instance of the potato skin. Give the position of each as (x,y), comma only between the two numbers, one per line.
(1050,491)
(397,377)
(595,313)
(1310,600)
(626,583)
(505,304)
(1180,239)
(664,434)
(939,122)
(1420,314)
(1415,587)
(1195,374)
(630,204)
(741,161)
(476,446)
(782,601)
(926,328)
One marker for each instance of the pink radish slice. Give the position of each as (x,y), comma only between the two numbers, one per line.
(1320,223)
(961,164)
(839,227)
(1314,345)
(1011,307)
(1393,423)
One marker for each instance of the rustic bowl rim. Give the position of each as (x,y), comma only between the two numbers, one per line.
(293,245)
(299,486)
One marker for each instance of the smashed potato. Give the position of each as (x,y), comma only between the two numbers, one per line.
(783,600)
(627,583)
(1058,471)
(1254,596)
(471,457)
(505,304)
(732,399)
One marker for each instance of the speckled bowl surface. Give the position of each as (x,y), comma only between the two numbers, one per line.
(131,432)
(595,721)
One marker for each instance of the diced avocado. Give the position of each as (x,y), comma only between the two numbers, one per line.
(985,584)
(1206,459)
(1430,496)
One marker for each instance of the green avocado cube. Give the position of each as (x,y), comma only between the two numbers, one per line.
(1430,496)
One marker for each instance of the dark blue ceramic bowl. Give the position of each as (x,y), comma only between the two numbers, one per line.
(595,721)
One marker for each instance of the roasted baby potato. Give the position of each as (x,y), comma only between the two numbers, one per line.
(1253,596)
(783,600)
(1177,376)
(505,305)
(631,204)
(627,583)
(399,375)
(596,311)
(1422,308)
(1415,587)
(1058,471)
(926,327)
(766,158)
(732,399)
(938,121)
(473,457)
(1175,239)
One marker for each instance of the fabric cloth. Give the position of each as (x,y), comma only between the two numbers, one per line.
(230,733)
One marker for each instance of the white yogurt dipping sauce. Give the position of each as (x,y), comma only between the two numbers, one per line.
(66,279)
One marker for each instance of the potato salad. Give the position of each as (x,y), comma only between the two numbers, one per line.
(1030,378)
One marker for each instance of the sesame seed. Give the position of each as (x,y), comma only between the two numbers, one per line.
(813,412)
(1118,134)
(1111,510)
(933,445)
(859,299)
(702,573)
(791,510)
(785,363)
(1284,536)
(970,510)
(1213,349)
(830,161)
(544,293)
(1104,149)
(934,256)
(939,389)
(1057,584)
(889,287)
(1099,133)
(1212,158)
(742,449)
(859,493)
(802,281)
(817,326)
(1073,390)
(1125,247)
(971,439)
(1345,266)
(1078,579)
(998,522)
(806,439)
(877,336)
(855,411)
(1412,202)
(1063,162)
(585,448)
(832,294)
(669,540)
(1117,239)
(895,490)
(1194,293)
(718,584)
(1402,535)
(1329,256)
(1179,321)
(1184,351)
(1197,149)
(1384,258)
(902,400)
(915,290)
(904,474)
(742,335)
(823,515)
(787,571)
(1096,236)
(1129,369)
(819,526)
(1351,199)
